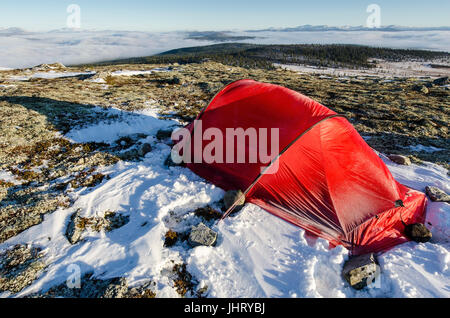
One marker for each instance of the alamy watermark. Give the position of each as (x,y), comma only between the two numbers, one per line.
(74,18)
(234,145)
(374,19)
(74,279)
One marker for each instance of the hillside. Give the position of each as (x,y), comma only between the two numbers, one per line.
(263,56)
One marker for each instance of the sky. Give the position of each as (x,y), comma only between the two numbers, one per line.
(172,15)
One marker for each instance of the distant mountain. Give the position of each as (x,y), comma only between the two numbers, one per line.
(12,31)
(215,36)
(321,28)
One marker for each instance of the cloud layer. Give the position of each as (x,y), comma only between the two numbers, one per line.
(20,48)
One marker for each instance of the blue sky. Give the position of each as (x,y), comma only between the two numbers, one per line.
(168,15)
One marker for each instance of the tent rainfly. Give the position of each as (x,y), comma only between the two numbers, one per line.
(323,177)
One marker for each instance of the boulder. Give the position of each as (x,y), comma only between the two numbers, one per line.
(144,149)
(129,155)
(202,235)
(232,196)
(361,271)
(74,230)
(436,194)
(418,233)
(399,159)
(441,81)
(163,134)
(421,89)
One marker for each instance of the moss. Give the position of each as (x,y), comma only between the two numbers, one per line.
(6,184)
(87,179)
(83,223)
(208,213)
(171,238)
(146,294)
(183,282)
(27,175)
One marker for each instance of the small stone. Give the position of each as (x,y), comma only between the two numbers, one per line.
(418,233)
(144,149)
(436,194)
(233,196)
(361,271)
(399,159)
(202,235)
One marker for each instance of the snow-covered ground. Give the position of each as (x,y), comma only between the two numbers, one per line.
(257,255)
(49,75)
(384,69)
(142,72)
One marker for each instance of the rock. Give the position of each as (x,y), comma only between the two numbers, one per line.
(401,160)
(109,222)
(169,162)
(202,235)
(421,89)
(231,197)
(418,233)
(74,231)
(163,134)
(437,195)
(19,267)
(441,81)
(99,77)
(117,289)
(129,155)
(174,81)
(144,149)
(361,271)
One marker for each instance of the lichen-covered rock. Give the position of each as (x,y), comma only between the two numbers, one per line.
(74,230)
(202,235)
(99,288)
(24,206)
(117,289)
(422,89)
(231,197)
(360,271)
(436,194)
(19,267)
(401,160)
(78,225)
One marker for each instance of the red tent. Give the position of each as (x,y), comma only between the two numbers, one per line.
(327,181)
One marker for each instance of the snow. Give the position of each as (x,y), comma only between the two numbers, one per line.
(384,69)
(419,148)
(49,75)
(134,73)
(8,177)
(129,123)
(98,80)
(257,254)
